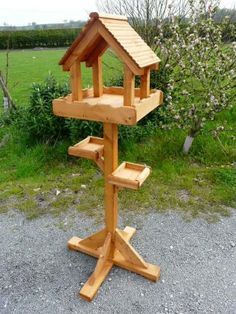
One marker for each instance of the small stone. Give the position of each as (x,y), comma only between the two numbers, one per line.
(82,283)
(232,243)
(171,247)
(109,279)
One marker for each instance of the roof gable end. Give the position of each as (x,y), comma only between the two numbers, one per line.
(119,35)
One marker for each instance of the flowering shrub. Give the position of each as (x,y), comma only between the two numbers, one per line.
(203,70)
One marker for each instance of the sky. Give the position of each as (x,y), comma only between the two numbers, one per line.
(23,12)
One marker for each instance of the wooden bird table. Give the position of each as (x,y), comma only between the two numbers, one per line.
(112,106)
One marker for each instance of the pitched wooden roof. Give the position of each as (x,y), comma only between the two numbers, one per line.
(102,31)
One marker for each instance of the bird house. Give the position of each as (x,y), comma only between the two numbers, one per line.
(120,105)
(112,106)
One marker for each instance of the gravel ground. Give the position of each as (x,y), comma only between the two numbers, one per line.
(39,275)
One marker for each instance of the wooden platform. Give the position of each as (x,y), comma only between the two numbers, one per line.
(129,175)
(108,107)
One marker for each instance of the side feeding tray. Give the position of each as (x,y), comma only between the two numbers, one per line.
(129,175)
(90,148)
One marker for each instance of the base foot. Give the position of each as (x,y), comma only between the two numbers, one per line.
(116,250)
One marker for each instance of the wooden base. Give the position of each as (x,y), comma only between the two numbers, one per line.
(111,249)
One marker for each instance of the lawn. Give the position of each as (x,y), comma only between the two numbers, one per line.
(29,66)
(42,179)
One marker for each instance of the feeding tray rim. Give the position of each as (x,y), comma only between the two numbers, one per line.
(121,176)
(91,148)
(107,108)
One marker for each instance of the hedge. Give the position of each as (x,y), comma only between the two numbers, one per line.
(64,37)
(38,38)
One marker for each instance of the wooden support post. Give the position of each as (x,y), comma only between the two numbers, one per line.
(97,77)
(76,81)
(102,269)
(129,84)
(145,84)
(110,132)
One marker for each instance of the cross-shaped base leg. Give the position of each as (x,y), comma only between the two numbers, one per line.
(111,250)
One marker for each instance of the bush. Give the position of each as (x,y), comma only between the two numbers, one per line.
(38,122)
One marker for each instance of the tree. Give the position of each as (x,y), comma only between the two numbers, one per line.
(203,82)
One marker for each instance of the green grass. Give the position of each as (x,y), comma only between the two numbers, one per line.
(42,179)
(195,186)
(28,66)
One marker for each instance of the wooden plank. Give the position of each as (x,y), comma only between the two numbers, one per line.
(98,52)
(95,240)
(128,251)
(103,257)
(129,175)
(83,44)
(129,85)
(118,90)
(152,272)
(110,136)
(88,109)
(74,244)
(124,183)
(97,77)
(76,81)
(88,291)
(143,175)
(100,163)
(145,84)
(99,112)
(91,148)
(128,232)
(119,50)
(146,105)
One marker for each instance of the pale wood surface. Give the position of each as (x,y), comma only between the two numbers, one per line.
(128,87)
(97,77)
(91,148)
(108,108)
(124,256)
(97,52)
(76,81)
(129,175)
(95,240)
(103,257)
(145,84)
(89,290)
(110,135)
(128,251)
(119,50)
(152,272)
(119,35)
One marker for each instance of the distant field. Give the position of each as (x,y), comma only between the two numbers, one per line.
(28,66)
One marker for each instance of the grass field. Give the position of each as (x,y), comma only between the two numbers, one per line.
(200,184)
(28,66)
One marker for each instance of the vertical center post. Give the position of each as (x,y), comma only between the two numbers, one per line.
(110,135)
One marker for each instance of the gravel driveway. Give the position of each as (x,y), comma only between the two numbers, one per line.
(198,267)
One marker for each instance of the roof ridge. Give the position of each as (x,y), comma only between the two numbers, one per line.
(97,15)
